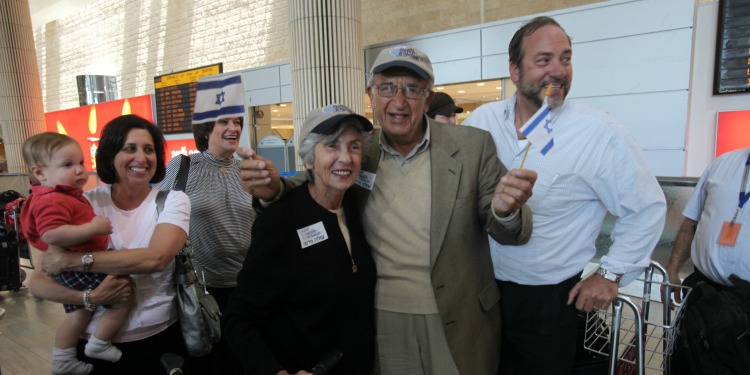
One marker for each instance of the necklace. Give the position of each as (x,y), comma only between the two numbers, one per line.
(220,163)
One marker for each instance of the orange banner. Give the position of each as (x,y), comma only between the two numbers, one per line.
(85,123)
(732,131)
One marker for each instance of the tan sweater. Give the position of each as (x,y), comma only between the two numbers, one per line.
(397,227)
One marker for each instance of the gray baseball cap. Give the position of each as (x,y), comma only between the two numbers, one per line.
(324,120)
(405,57)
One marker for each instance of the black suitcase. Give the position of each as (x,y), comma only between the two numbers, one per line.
(10,267)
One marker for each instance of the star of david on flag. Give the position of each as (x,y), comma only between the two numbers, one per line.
(218,97)
(538,130)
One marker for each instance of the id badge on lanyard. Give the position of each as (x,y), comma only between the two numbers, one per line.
(731,229)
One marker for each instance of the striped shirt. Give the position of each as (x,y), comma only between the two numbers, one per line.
(221,219)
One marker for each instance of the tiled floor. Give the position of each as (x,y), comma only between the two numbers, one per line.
(28,329)
(27,333)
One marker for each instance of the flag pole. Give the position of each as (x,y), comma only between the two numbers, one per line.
(528,145)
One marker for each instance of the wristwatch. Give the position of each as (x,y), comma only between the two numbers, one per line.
(87,260)
(610,276)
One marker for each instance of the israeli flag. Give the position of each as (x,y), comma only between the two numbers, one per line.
(218,97)
(538,129)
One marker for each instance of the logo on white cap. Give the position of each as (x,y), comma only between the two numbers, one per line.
(333,108)
(405,52)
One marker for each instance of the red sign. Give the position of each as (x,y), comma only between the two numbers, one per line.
(85,123)
(177,147)
(732,131)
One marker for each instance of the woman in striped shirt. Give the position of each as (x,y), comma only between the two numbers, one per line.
(221,220)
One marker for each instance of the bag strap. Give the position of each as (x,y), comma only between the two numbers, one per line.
(180,182)
(182,262)
(161,197)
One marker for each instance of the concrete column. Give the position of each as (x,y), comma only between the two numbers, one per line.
(21,105)
(325,41)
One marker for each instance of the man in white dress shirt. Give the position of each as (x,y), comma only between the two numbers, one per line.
(716,248)
(595,166)
(715,234)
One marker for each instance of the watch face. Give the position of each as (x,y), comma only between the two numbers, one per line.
(608,275)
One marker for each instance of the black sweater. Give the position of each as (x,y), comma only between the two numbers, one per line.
(294,305)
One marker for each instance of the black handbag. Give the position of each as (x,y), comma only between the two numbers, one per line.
(198,311)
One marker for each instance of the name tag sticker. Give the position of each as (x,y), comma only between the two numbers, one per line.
(366,179)
(312,234)
(729,233)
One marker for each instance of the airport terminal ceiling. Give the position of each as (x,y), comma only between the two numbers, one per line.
(687,40)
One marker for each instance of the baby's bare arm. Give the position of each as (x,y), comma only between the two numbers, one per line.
(69,235)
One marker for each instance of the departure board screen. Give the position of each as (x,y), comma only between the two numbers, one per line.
(732,70)
(175,96)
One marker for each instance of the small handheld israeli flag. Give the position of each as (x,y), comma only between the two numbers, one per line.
(538,130)
(218,97)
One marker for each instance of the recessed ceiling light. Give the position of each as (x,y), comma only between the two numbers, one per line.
(441,88)
(283,105)
(498,88)
(275,110)
(480,84)
(461,91)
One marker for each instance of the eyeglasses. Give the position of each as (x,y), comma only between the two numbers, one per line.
(388,90)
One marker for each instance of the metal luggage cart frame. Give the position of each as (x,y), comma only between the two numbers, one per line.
(633,341)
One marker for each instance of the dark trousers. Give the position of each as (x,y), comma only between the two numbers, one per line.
(678,361)
(539,328)
(221,360)
(697,276)
(142,357)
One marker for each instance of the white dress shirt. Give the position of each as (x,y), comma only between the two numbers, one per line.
(714,201)
(596,166)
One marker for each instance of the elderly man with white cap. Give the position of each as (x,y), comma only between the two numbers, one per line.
(429,192)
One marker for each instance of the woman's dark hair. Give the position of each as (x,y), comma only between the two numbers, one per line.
(113,139)
(201,132)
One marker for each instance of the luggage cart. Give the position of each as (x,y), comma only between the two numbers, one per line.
(633,339)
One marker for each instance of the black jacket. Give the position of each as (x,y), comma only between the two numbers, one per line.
(294,305)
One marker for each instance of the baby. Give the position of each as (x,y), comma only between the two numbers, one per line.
(57,213)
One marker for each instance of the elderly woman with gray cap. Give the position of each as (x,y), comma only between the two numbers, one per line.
(222,214)
(305,294)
